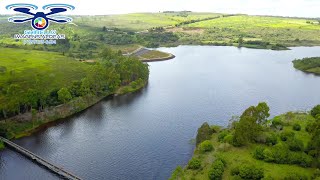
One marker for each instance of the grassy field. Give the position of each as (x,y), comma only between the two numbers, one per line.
(38,69)
(310,65)
(286,31)
(233,156)
(139,21)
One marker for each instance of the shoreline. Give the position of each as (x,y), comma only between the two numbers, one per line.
(160,59)
(59,116)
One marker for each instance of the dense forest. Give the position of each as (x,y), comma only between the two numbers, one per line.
(254,147)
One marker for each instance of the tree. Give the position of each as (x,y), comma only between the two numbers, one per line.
(104,28)
(32,98)
(262,113)
(315,111)
(249,126)
(204,133)
(64,95)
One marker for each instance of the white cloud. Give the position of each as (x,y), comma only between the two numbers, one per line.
(305,8)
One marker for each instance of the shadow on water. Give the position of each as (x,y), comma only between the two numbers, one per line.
(127,99)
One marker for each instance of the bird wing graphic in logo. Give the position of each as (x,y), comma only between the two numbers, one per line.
(40,20)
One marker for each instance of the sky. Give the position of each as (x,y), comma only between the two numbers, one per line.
(294,8)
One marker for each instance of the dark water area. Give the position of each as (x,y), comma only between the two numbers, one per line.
(145,135)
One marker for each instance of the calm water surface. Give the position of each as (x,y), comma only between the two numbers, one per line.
(145,135)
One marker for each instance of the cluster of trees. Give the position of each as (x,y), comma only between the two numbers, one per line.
(103,78)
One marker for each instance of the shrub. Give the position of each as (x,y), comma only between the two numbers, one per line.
(299,158)
(248,171)
(316,174)
(315,111)
(285,135)
(204,133)
(277,123)
(280,154)
(309,127)
(296,176)
(272,139)
(3,69)
(228,139)
(222,135)
(215,128)
(261,138)
(258,153)
(206,146)
(296,127)
(216,170)
(295,144)
(289,115)
(194,163)
(268,155)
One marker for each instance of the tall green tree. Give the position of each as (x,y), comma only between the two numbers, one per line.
(249,126)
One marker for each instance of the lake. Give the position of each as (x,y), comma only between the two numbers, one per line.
(145,135)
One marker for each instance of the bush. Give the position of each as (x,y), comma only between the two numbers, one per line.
(215,128)
(204,133)
(280,154)
(296,176)
(285,135)
(228,139)
(309,127)
(222,135)
(289,115)
(299,158)
(277,123)
(258,153)
(268,155)
(248,171)
(206,146)
(296,127)
(194,163)
(315,111)
(261,138)
(295,144)
(272,139)
(216,170)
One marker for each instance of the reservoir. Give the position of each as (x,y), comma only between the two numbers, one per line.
(145,135)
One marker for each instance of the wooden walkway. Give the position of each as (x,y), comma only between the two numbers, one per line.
(57,170)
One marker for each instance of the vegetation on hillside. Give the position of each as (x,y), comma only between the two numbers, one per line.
(310,65)
(253,147)
(85,39)
(34,81)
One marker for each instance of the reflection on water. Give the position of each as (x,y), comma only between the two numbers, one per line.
(145,135)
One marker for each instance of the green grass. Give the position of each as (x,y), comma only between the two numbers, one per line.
(38,69)
(138,21)
(310,65)
(235,156)
(1,145)
(287,31)
(154,54)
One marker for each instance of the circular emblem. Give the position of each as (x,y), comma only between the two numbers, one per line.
(40,23)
